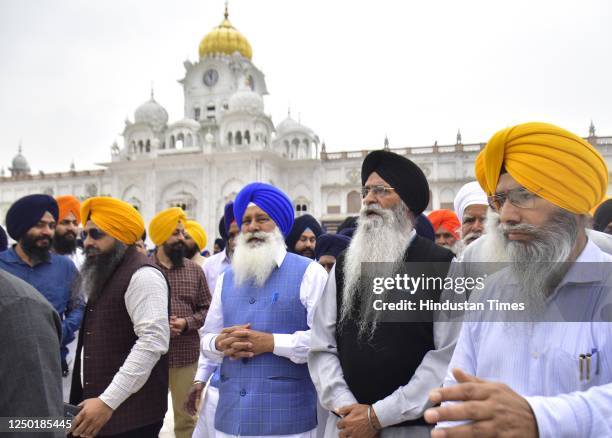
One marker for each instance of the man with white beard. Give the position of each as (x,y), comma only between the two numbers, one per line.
(375,375)
(261,314)
(544,377)
(471,208)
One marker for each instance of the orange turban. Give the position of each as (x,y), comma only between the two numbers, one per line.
(68,204)
(116,218)
(197,233)
(164,223)
(559,166)
(447,219)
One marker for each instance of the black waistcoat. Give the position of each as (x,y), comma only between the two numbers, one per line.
(374,369)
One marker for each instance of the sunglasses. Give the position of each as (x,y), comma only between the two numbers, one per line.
(94,233)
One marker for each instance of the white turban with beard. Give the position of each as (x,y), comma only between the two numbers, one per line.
(255,256)
(382,235)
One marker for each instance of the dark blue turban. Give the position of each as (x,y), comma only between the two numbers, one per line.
(348,232)
(226,220)
(27,211)
(301,224)
(331,244)
(603,215)
(228,216)
(424,228)
(3,239)
(270,199)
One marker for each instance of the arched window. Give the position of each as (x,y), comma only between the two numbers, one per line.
(172,142)
(180,141)
(353,202)
(229,138)
(189,141)
(148,146)
(247,137)
(140,146)
(238,137)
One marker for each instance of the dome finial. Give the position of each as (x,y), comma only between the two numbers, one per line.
(19,148)
(152,92)
(226,13)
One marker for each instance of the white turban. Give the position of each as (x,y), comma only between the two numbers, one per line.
(469,194)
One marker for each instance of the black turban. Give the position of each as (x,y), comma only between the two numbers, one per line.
(603,215)
(3,239)
(403,175)
(222,232)
(424,228)
(299,226)
(27,211)
(331,244)
(348,232)
(220,243)
(349,222)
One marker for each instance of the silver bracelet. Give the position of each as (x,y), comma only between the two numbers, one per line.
(370,419)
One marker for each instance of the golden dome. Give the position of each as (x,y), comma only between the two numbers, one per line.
(225,39)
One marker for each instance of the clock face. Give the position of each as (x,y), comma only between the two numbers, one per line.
(211,77)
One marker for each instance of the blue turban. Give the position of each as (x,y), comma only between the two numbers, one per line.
(424,228)
(300,225)
(226,220)
(270,199)
(3,239)
(331,244)
(27,211)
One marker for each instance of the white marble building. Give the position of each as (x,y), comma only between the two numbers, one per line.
(226,140)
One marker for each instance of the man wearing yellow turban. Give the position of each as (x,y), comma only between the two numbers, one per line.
(189,302)
(195,241)
(125,334)
(542,181)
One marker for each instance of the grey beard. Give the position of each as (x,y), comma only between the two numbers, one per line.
(539,265)
(378,239)
(96,271)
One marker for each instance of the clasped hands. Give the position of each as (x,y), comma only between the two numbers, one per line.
(240,341)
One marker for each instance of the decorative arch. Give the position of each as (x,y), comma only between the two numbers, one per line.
(353,202)
(179,193)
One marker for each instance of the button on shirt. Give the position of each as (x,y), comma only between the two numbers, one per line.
(541,362)
(189,299)
(54,280)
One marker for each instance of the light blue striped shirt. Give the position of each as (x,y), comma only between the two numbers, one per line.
(541,360)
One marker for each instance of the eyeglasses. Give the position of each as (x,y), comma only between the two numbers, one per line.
(94,233)
(521,198)
(377,190)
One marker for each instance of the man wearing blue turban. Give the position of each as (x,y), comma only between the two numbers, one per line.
(31,221)
(261,313)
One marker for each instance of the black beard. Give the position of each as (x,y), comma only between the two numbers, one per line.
(36,253)
(97,269)
(307,253)
(190,252)
(64,245)
(176,253)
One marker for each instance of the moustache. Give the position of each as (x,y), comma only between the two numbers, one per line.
(43,239)
(256,236)
(506,229)
(91,251)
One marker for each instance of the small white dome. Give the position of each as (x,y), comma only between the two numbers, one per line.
(246,100)
(289,125)
(152,113)
(20,164)
(185,123)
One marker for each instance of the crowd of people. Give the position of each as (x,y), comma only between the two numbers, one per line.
(277,334)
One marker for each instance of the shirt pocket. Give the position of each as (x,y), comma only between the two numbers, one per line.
(572,371)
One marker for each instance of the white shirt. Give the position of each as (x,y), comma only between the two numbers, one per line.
(540,360)
(213,266)
(146,301)
(293,346)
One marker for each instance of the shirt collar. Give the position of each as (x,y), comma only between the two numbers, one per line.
(11,256)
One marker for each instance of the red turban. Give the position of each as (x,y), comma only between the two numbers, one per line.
(446,219)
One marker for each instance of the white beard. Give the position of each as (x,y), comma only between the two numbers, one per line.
(493,245)
(255,261)
(378,238)
(539,265)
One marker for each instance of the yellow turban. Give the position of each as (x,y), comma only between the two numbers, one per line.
(116,218)
(559,166)
(164,223)
(197,233)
